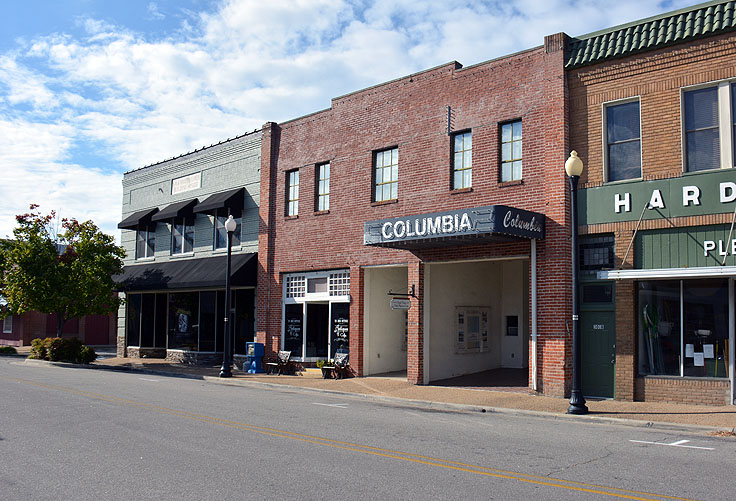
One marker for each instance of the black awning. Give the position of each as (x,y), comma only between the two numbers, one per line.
(199,273)
(140,217)
(474,226)
(177,209)
(232,199)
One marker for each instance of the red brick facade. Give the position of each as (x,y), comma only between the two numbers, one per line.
(411,113)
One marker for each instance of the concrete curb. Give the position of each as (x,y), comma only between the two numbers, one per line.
(404,402)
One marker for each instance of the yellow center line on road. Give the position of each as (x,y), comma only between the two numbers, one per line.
(365,449)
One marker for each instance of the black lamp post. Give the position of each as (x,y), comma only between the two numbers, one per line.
(225,370)
(573,168)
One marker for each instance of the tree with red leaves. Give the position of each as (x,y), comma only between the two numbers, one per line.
(68,272)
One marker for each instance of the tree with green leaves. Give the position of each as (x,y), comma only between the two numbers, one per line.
(65,269)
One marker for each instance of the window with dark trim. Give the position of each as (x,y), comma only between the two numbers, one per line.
(702,132)
(511,159)
(596,253)
(386,175)
(221,215)
(462,160)
(145,241)
(623,141)
(292,192)
(322,187)
(182,235)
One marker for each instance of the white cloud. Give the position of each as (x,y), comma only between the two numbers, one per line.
(136,98)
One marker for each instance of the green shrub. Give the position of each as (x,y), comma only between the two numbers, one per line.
(322,363)
(38,349)
(56,349)
(8,350)
(87,354)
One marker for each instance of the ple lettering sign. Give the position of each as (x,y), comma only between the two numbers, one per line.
(479,221)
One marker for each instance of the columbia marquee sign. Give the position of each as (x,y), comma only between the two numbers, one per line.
(494,222)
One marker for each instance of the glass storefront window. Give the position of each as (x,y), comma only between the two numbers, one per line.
(133,319)
(184,321)
(659,328)
(706,327)
(683,328)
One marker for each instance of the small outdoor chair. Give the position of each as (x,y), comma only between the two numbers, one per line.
(342,365)
(282,364)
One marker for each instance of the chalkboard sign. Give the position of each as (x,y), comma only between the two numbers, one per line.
(293,329)
(340,326)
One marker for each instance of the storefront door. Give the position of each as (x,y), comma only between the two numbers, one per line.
(318,318)
(598,336)
(598,333)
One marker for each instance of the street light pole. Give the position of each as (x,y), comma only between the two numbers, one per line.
(574,168)
(226,370)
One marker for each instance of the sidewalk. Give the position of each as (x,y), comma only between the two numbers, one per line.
(397,389)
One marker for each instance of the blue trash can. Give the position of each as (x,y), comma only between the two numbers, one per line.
(254,357)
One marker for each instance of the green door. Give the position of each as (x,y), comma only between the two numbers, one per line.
(598,333)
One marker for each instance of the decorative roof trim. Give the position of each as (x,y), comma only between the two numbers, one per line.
(680,26)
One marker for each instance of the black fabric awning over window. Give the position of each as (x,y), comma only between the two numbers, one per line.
(232,199)
(179,209)
(140,217)
(189,274)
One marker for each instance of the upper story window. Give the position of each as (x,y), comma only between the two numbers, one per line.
(221,216)
(292,193)
(145,241)
(323,187)
(182,235)
(462,160)
(8,324)
(709,123)
(386,175)
(623,141)
(511,151)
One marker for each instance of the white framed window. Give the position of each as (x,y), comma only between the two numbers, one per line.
(471,324)
(220,240)
(323,187)
(622,140)
(182,235)
(145,241)
(317,285)
(292,192)
(295,286)
(8,324)
(511,158)
(386,175)
(709,125)
(462,160)
(340,283)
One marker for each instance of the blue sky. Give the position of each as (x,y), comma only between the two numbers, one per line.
(92,88)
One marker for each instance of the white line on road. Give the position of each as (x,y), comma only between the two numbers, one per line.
(679,443)
(151,380)
(341,406)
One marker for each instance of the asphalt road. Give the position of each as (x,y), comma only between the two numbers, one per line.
(68,433)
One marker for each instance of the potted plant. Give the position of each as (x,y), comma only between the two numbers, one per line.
(326,366)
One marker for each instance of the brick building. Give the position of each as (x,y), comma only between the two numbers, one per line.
(173,231)
(20,330)
(653,116)
(444,187)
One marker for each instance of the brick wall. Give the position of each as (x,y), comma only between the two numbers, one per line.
(683,391)
(657,77)
(411,113)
